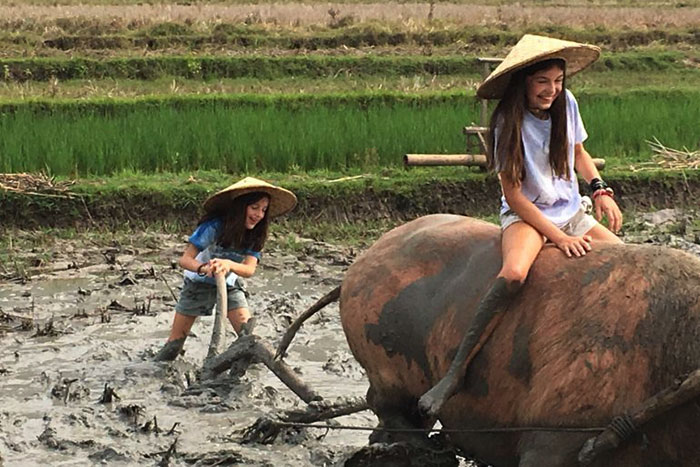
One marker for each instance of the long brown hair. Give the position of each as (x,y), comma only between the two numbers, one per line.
(508,116)
(234,233)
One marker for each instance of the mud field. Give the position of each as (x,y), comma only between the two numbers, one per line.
(90,320)
(97,320)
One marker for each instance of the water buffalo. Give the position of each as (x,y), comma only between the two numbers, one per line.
(586,339)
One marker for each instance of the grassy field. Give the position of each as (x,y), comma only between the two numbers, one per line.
(284,86)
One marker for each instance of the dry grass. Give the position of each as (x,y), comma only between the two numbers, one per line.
(205,16)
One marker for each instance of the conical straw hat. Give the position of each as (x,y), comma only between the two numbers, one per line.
(531,49)
(281,200)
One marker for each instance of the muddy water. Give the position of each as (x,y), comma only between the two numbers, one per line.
(101,324)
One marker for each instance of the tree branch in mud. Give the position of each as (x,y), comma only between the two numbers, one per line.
(266,429)
(165,460)
(330,297)
(249,349)
(108,395)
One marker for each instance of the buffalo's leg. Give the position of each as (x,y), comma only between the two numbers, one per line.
(401,438)
(399,420)
(549,449)
(490,306)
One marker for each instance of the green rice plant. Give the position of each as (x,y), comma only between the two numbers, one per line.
(620,124)
(232,139)
(291,133)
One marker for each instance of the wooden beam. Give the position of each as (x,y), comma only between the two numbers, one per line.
(469,160)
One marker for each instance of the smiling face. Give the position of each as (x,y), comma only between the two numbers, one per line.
(255,212)
(543,87)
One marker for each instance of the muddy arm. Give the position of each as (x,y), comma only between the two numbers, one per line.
(671,397)
(330,297)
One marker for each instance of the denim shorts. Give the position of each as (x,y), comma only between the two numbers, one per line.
(199,298)
(578,225)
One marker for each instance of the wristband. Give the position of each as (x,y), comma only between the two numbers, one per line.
(597,184)
(199,270)
(607,191)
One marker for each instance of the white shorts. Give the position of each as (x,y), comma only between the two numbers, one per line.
(578,225)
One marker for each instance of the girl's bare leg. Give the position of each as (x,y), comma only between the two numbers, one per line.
(181,326)
(601,234)
(520,245)
(238,317)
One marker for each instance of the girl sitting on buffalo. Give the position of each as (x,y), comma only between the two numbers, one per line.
(536,147)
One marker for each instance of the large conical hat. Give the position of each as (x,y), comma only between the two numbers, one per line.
(281,200)
(531,49)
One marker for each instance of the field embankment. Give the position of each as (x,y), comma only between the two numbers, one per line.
(329,204)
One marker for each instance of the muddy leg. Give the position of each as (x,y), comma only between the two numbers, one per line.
(490,306)
(170,350)
(176,341)
(247,327)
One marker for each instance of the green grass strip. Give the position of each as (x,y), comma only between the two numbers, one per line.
(267,68)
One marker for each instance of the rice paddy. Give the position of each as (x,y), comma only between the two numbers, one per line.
(106,87)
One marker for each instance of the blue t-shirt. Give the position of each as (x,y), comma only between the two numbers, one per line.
(204,239)
(557,198)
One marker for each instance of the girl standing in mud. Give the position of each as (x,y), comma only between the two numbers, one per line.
(536,147)
(228,240)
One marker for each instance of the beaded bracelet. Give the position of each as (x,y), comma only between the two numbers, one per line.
(607,191)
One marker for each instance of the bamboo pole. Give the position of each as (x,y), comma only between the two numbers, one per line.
(469,160)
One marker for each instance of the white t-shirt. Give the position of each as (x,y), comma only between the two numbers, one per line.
(557,198)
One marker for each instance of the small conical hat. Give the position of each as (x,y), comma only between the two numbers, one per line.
(531,49)
(281,200)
